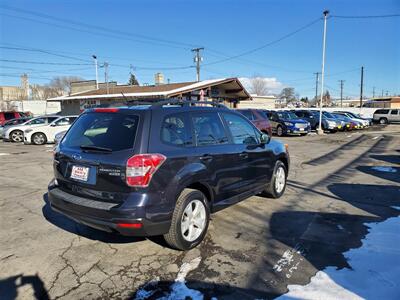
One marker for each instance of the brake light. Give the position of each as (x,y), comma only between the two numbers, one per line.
(106,110)
(141,167)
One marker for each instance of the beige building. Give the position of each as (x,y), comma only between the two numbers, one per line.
(228,91)
(259,102)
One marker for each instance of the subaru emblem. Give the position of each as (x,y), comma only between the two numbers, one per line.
(76,157)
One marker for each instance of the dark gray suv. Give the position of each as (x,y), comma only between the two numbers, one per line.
(161,169)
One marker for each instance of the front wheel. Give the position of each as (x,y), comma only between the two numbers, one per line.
(276,187)
(39,138)
(189,221)
(383,121)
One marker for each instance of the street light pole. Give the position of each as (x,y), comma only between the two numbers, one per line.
(320,131)
(97,72)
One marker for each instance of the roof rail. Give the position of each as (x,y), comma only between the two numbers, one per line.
(175,102)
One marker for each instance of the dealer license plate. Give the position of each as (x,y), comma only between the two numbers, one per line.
(80,173)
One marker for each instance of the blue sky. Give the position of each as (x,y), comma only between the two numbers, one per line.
(224,28)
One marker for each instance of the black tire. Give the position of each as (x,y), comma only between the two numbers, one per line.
(270,189)
(39,138)
(383,121)
(17,136)
(303,134)
(175,237)
(279,130)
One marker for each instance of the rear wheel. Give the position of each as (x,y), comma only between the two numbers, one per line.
(39,138)
(276,187)
(383,121)
(189,221)
(17,136)
(279,130)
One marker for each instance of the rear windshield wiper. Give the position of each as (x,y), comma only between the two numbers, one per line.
(95,148)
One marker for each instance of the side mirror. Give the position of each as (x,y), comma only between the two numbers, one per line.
(53,125)
(265,138)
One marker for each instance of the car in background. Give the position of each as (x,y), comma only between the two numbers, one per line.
(40,135)
(308,116)
(258,118)
(12,122)
(328,124)
(286,122)
(349,124)
(386,116)
(340,123)
(356,117)
(9,115)
(16,133)
(58,137)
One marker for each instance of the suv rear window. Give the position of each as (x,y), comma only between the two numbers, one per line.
(382,111)
(114,131)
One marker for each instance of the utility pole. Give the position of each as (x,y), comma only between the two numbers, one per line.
(106,75)
(198,59)
(320,131)
(361,87)
(373,92)
(316,86)
(97,73)
(382,92)
(341,92)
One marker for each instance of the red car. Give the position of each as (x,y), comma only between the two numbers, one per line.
(258,118)
(9,115)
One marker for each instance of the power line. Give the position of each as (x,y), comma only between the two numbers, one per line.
(265,45)
(43,63)
(43,51)
(100,28)
(366,17)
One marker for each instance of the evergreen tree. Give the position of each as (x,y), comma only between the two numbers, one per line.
(133,80)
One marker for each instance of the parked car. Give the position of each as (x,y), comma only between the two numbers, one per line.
(258,118)
(341,125)
(15,133)
(286,122)
(364,122)
(328,124)
(308,116)
(162,169)
(349,124)
(40,135)
(59,136)
(9,115)
(386,116)
(11,122)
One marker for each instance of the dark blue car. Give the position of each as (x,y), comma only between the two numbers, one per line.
(286,122)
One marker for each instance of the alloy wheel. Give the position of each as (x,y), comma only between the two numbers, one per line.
(17,136)
(280,179)
(193,220)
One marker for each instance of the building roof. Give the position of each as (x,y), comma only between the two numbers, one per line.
(164,90)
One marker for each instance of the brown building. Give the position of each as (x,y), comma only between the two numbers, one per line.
(228,90)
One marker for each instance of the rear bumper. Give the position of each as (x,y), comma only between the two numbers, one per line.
(105,216)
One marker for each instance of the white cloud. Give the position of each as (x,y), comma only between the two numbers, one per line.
(273,85)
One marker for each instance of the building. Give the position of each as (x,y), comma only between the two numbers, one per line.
(383,102)
(259,102)
(227,90)
(9,93)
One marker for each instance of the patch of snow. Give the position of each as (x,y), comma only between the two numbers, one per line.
(4,154)
(374,272)
(374,138)
(384,169)
(49,146)
(179,290)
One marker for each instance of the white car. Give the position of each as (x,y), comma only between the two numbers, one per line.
(40,135)
(15,133)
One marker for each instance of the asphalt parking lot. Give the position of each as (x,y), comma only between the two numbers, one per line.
(252,250)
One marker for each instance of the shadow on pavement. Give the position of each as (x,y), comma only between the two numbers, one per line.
(392,176)
(9,287)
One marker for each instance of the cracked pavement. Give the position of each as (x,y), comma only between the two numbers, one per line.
(253,249)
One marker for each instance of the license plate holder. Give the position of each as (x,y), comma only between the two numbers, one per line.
(80,173)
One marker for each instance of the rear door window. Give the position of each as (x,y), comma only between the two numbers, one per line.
(241,130)
(9,115)
(382,111)
(208,129)
(394,112)
(37,121)
(247,113)
(114,131)
(174,131)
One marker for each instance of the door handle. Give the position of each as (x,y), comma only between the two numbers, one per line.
(243,155)
(206,157)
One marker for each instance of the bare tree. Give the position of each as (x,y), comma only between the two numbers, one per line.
(258,86)
(61,85)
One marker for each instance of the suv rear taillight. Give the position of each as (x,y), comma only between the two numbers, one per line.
(141,167)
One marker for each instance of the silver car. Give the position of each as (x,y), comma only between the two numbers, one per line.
(386,116)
